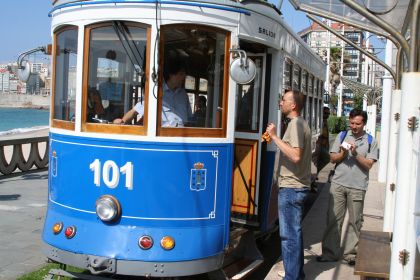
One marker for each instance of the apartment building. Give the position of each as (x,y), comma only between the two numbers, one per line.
(320,40)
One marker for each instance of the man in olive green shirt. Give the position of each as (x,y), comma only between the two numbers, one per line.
(294,181)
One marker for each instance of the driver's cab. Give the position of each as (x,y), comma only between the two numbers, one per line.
(120,73)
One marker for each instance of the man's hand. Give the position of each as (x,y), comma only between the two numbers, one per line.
(118,121)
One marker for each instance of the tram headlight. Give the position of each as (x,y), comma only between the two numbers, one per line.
(108,208)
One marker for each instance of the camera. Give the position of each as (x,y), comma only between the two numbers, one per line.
(346,145)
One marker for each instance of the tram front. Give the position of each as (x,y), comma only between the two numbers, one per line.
(140,153)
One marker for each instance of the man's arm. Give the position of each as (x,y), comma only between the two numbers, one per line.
(128,117)
(338,157)
(365,163)
(293,154)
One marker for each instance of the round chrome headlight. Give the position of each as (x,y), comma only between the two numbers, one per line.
(108,208)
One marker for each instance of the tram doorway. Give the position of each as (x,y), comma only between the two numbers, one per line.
(249,118)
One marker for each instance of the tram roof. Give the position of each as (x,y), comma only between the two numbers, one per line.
(395,13)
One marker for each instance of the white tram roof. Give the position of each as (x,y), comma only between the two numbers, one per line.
(263,24)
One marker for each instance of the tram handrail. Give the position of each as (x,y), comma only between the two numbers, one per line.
(18,160)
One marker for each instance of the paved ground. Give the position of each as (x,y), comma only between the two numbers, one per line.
(23,199)
(314,225)
(23,202)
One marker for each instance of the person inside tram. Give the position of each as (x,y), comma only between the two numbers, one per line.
(176,108)
(200,111)
(95,108)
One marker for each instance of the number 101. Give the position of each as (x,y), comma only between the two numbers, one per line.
(111,173)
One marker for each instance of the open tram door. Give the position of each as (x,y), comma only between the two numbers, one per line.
(250,117)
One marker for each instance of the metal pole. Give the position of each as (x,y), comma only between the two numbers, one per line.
(327,78)
(374,58)
(385,117)
(391,173)
(366,72)
(379,22)
(340,91)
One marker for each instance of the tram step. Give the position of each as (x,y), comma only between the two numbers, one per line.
(241,268)
(243,258)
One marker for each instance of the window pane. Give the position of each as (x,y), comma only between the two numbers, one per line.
(198,53)
(65,74)
(287,76)
(117,58)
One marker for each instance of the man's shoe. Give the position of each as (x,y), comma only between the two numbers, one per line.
(350,260)
(322,259)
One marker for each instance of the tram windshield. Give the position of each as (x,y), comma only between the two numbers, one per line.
(192,94)
(116,72)
(189,79)
(65,79)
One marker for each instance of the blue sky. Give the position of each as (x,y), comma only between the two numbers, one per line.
(25,25)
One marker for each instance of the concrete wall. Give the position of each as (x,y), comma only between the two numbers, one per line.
(24,100)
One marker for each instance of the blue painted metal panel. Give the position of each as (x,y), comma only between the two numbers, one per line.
(178,189)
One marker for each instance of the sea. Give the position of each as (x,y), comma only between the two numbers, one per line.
(19,120)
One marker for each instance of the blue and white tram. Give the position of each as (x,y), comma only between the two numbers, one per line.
(145,198)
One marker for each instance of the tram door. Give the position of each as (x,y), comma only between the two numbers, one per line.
(248,130)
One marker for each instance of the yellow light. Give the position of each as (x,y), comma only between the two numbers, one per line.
(57,227)
(167,243)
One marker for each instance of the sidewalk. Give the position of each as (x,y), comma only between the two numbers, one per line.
(23,200)
(315,222)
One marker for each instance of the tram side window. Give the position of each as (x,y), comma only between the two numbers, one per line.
(65,57)
(304,90)
(287,74)
(314,106)
(115,72)
(192,89)
(296,77)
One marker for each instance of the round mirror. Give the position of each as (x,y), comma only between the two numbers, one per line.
(242,70)
(24,71)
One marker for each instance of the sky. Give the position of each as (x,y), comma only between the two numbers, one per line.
(25,25)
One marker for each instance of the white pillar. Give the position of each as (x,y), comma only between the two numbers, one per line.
(391,174)
(385,116)
(327,85)
(340,87)
(408,180)
(371,122)
(366,72)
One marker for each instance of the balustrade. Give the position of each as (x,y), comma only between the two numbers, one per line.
(16,148)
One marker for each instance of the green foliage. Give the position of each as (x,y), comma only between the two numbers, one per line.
(333,102)
(337,124)
(42,272)
(357,102)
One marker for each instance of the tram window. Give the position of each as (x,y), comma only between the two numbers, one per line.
(315,106)
(65,58)
(304,81)
(310,85)
(193,76)
(115,70)
(247,104)
(287,74)
(296,77)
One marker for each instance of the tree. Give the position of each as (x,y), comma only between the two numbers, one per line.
(335,75)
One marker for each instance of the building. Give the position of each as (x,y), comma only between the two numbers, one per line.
(320,40)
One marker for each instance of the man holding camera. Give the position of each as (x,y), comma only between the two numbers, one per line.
(354,155)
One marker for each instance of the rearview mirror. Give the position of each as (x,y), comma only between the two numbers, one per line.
(242,69)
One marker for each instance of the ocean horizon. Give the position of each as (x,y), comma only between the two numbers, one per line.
(20,120)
